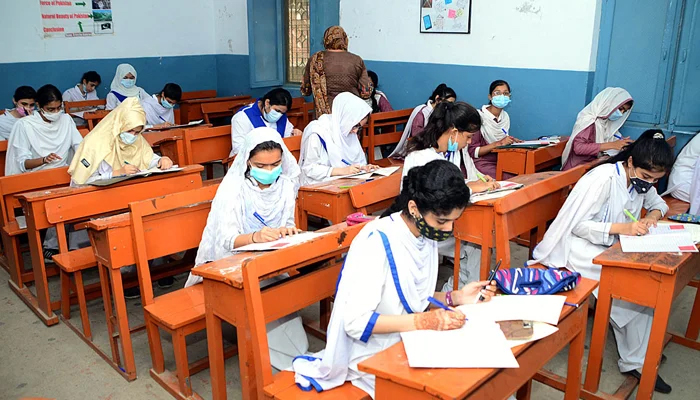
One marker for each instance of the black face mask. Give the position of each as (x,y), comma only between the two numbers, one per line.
(429,232)
(639,184)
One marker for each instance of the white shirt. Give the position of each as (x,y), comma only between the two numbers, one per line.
(316,165)
(241,125)
(682,173)
(7,121)
(74,94)
(104,171)
(155,112)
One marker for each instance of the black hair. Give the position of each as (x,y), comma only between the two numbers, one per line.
(278,97)
(443,91)
(650,152)
(264,146)
(375,82)
(496,84)
(445,116)
(172,91)
(91,76)
(24,92)
(437,187)
(47,94)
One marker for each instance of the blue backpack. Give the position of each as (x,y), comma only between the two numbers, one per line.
(525,281)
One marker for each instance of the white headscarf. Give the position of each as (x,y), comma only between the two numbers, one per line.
(122,71)
(416,260)
(597,112)
(681,178)
(426,109)
(491,130)
(334,129)
(44,138)
(238,197)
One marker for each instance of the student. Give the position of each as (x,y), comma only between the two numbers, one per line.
(159,107)
(123,86)
(446,136)
(695,190)
(390,271)
(592,217)
(24,100)
(380,103)
(330,145)
(679,182)
(255,203)
(270,110)
(420,115)
(597,128)
(83,91)
(116,147)
(495,128)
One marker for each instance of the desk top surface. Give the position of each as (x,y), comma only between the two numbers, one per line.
(341,186)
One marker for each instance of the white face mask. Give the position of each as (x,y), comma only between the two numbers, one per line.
(127,138)
(52,117)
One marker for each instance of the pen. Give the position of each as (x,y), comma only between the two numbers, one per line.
(566,303)
(491,276)
(344,187)
(629,214)
(345,162)
(481,176)
(259,218)
(161,118)
(504,131)
(438,303)
(128,163)
(617,136)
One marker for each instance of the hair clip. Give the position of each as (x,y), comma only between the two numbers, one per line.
(658,135)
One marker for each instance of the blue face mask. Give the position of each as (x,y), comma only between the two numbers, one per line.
(452,146)
(128,83)
(165,103)
(500,101)
(266,177)
(127,138)
(615,115)
(273,115)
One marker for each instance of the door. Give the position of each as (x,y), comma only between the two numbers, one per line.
(685,106)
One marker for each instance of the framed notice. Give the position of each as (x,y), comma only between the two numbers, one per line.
(445,16)
(76,18)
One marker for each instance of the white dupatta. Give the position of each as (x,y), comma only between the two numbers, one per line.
(493,130)
(426,109)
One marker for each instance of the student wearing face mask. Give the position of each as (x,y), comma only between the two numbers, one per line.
(254,204)
(116,147)
(83,91)
(593,216)
(683,182)
(45,139)
(159,107)
(269,111)
(24,100)
(596,131)
(495,129)
(331,146)
(389,274)
(124,86)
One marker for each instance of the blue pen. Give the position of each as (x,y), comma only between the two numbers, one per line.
(438,303)
(570,304)
(618,136)
(161,118)
(504,131)
(256,215)
(346,163)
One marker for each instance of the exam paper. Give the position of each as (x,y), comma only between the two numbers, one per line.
(658,243)
(693,229)
(507,187)
(542,308)
(282,243)
(476,345)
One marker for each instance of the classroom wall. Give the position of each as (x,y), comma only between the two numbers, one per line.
(231,45)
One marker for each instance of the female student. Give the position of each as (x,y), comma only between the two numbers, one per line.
(159,107)
(330,145)
(420,115)
(24,100)
(85,90)
(380,103)
(446,136)
(495,128)
(592,217)
(681,178)
(270,110)
(115,147)
(393,264)
(123,86)
(255,203)
(596,128)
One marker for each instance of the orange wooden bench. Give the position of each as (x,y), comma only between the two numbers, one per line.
(73,106)
(301,113)
(199,146)
(198,94)
(3,156)
(94,117)
(520,161)
(191,110)
(227,298)
(221,109)
(384,128)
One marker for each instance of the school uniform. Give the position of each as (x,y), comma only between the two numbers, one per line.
(681,178)
(414,126)
(155,112)
(695,190)
(581,232)
(7,121)
(492,130)
(382,101)
(118,92)
(593,127)
(395,273)
(233,210)
(74,94)
(249,118)
(327,142)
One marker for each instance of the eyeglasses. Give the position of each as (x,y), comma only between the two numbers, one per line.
(498,93)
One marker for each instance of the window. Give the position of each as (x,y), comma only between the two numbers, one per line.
(297,32)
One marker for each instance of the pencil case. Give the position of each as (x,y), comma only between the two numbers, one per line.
(685,217)
(526,281)
(358,218)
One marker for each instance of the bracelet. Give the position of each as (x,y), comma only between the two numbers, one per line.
(252,237)
(43,160)
(448,299)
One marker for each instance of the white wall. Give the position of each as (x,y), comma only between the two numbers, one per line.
(540,34)
(231,26)
(143,28)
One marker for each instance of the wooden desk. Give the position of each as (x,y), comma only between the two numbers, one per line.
(3,155)
(651,280)
(330,200)
(519,161)
(225,298)
(396,380)
(191,110)
(94,201)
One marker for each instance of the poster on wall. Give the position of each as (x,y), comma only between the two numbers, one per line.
(445,16)
(77,18)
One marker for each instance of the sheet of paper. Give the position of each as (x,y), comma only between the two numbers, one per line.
(381,171)
(476,345)
(540,330)
(21,222)
(156,170)
(693,229)
(282,243)
(659,243)
(506,188)
(542,308)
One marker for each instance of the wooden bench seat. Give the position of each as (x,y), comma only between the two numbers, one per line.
(12,228)
(179,308)
(73,263)
(284,387)
(76,260)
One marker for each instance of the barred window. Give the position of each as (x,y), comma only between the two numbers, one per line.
(297,29)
